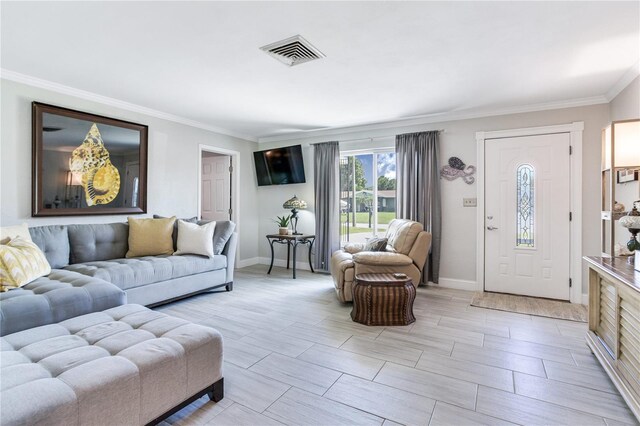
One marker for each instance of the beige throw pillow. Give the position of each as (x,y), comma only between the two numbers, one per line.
(21,262)
(195,239)
(9,232)
(150,237)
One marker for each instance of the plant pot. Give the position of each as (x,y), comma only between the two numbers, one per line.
(283,231)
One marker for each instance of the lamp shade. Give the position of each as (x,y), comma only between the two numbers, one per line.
(294,203)
(627,144)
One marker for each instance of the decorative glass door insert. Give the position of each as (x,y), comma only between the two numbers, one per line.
(525,208)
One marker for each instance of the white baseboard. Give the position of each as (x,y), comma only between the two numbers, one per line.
(456,284)
(247,262)
(300,265)
(585,299)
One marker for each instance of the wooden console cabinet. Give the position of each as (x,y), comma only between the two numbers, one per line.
(614,323)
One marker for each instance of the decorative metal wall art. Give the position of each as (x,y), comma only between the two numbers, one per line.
(457,169)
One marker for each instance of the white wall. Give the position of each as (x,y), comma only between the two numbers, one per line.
(458,265)
(626,105)
(172,163)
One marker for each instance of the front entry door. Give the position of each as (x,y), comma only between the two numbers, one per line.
(527,213)
(216,188)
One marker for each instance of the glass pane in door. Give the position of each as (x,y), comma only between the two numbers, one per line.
(386,190)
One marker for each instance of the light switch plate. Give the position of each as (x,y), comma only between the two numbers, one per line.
(469,202)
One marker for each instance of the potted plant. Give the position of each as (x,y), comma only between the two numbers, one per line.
(283,223)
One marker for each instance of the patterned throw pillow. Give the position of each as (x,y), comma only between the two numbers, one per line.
(21,262)
(376,244)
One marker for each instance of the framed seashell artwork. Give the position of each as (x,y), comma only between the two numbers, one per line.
(87,164)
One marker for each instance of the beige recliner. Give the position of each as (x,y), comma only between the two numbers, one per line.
(407,250)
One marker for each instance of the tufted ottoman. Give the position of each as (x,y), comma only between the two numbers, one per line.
(124,366)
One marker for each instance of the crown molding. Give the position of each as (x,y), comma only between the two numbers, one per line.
(621,84)
(90,96)
(435,118)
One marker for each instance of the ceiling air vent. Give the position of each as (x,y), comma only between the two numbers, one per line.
(293,51)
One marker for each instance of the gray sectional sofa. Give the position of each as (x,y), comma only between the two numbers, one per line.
(90,273)
(73,352)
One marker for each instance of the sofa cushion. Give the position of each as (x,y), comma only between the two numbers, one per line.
(150,237)
(56,297)
(382,258)
(221,234)
(98,241)
(21,261)
(53,240)
(134,272)
(402,234)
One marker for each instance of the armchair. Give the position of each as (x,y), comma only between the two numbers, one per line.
(407,250)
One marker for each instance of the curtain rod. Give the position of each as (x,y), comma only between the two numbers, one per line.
(375,138)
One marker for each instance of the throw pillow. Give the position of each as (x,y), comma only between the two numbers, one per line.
(376,244)
(150,237)
(9,232)
(21,261)
(174,235)
(195,239)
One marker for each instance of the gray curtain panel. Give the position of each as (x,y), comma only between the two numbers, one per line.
(326,174)
(418,189)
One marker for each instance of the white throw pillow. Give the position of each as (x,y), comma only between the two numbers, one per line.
(9,232)
(195,239)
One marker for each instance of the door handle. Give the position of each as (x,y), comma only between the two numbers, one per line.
(491,228)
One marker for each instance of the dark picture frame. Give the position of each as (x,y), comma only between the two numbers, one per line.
(86,164)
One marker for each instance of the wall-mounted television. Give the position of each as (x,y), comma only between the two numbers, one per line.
(279,166)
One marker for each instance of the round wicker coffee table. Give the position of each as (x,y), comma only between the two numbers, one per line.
(382,299)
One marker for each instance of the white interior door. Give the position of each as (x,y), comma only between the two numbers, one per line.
(216,188)
(527,208)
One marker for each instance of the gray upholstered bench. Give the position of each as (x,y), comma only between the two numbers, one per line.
(126,365)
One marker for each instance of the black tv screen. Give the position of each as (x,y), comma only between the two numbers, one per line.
(279,166)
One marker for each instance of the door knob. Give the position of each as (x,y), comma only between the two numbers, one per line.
(491,228)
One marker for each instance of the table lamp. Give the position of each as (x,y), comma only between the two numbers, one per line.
(632,223)
(295,204)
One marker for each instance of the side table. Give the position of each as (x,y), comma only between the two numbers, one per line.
(291,241)
(382,299)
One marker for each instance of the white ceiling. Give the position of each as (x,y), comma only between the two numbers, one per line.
(385,60)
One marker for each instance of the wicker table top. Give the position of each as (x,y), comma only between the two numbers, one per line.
(386,278)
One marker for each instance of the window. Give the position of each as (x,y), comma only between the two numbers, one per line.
(525,199)
(368,194)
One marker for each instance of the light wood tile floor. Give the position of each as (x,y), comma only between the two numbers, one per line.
(293,356)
